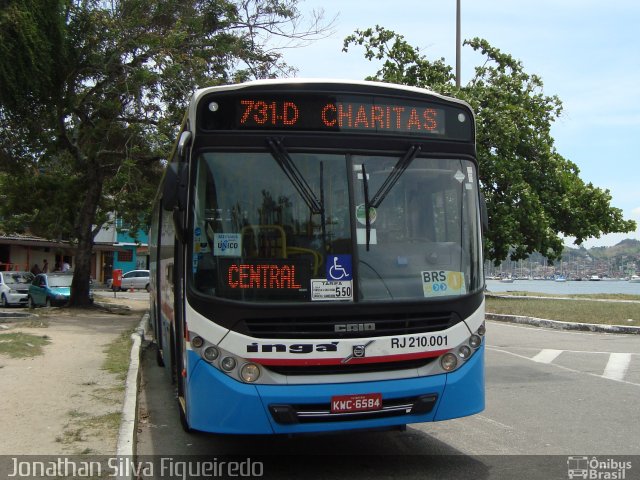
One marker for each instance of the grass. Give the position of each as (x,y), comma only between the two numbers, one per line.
(582,296)
(103,423)
(550,308)
(22,345)
(85,426)
(118,353)
(35,323)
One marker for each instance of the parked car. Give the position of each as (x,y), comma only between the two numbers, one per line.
(137,279)
(49,289)
(14,288)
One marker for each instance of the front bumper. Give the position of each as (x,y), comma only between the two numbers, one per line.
(220,404)
(15,298)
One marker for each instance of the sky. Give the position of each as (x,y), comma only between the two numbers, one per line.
(587,53)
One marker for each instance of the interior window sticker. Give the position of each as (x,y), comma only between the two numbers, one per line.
(227,244)
(338,268)
(440,283)
(459,176)
(327,290)
(373,215)
(362,236)
(200,244)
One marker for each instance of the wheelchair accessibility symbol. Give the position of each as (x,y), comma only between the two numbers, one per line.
(339,267)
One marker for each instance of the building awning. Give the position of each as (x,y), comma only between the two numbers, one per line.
(106,247)
(142,251)
(30,241)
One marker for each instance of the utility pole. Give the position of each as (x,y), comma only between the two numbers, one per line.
(458,41)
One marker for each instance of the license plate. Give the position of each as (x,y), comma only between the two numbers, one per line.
(356,403)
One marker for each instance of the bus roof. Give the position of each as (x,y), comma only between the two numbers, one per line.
(198,94)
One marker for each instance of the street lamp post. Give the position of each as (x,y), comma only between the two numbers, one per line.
(458,43)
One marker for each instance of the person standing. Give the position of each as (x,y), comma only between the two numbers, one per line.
(65,266)
(45,266)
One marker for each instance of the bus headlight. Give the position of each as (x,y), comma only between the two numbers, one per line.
(475,341)
(250,372)
(464,352)
(448,362)
(197,342)
(228,364)
(210,354)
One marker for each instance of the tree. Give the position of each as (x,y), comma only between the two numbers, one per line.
(534,195)
(92,93)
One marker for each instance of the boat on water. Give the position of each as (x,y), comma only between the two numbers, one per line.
(594,278)
(634,279)
(560,278)
(506,280)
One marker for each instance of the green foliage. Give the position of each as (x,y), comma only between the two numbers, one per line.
(534,195)
(92,94)
(32,46)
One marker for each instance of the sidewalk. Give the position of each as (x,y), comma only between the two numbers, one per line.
(63,401)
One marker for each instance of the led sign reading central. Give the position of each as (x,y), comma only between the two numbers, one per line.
(262,278)
(243,275)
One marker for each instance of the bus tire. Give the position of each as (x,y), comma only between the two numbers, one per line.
(183,419)
(159,359)
(173,374)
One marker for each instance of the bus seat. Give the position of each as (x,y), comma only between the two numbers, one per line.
(315,256)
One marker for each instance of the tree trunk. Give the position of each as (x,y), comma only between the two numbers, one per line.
(80,285)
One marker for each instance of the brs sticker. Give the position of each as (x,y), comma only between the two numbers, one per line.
(440,283)
(227,244)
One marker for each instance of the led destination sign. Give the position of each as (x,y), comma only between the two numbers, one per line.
(344,116)
(336,113)
(256,278)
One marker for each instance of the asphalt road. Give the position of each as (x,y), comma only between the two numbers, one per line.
(550,394)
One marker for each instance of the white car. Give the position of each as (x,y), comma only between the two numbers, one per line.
(136,279)
(14,288)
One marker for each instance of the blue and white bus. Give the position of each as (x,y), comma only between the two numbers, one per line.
(316,259)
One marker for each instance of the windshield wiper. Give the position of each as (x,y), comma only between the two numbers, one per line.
(394,176)
(280,154)
(367,220)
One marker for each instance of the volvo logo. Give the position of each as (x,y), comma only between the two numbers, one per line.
(354,327)
(358,351)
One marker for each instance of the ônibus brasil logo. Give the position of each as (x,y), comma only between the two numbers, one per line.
(597,469)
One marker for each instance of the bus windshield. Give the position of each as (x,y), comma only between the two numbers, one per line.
(292,227)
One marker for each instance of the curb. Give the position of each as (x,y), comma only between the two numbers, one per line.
(126,445)
(555,324)
(6,317)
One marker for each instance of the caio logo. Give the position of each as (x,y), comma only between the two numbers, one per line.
(354,327)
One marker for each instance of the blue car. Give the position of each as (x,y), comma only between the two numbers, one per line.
(49,289)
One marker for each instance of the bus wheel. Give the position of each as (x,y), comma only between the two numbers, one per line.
(159,359)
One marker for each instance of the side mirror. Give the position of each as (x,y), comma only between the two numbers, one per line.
(183,144)
(174,193)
